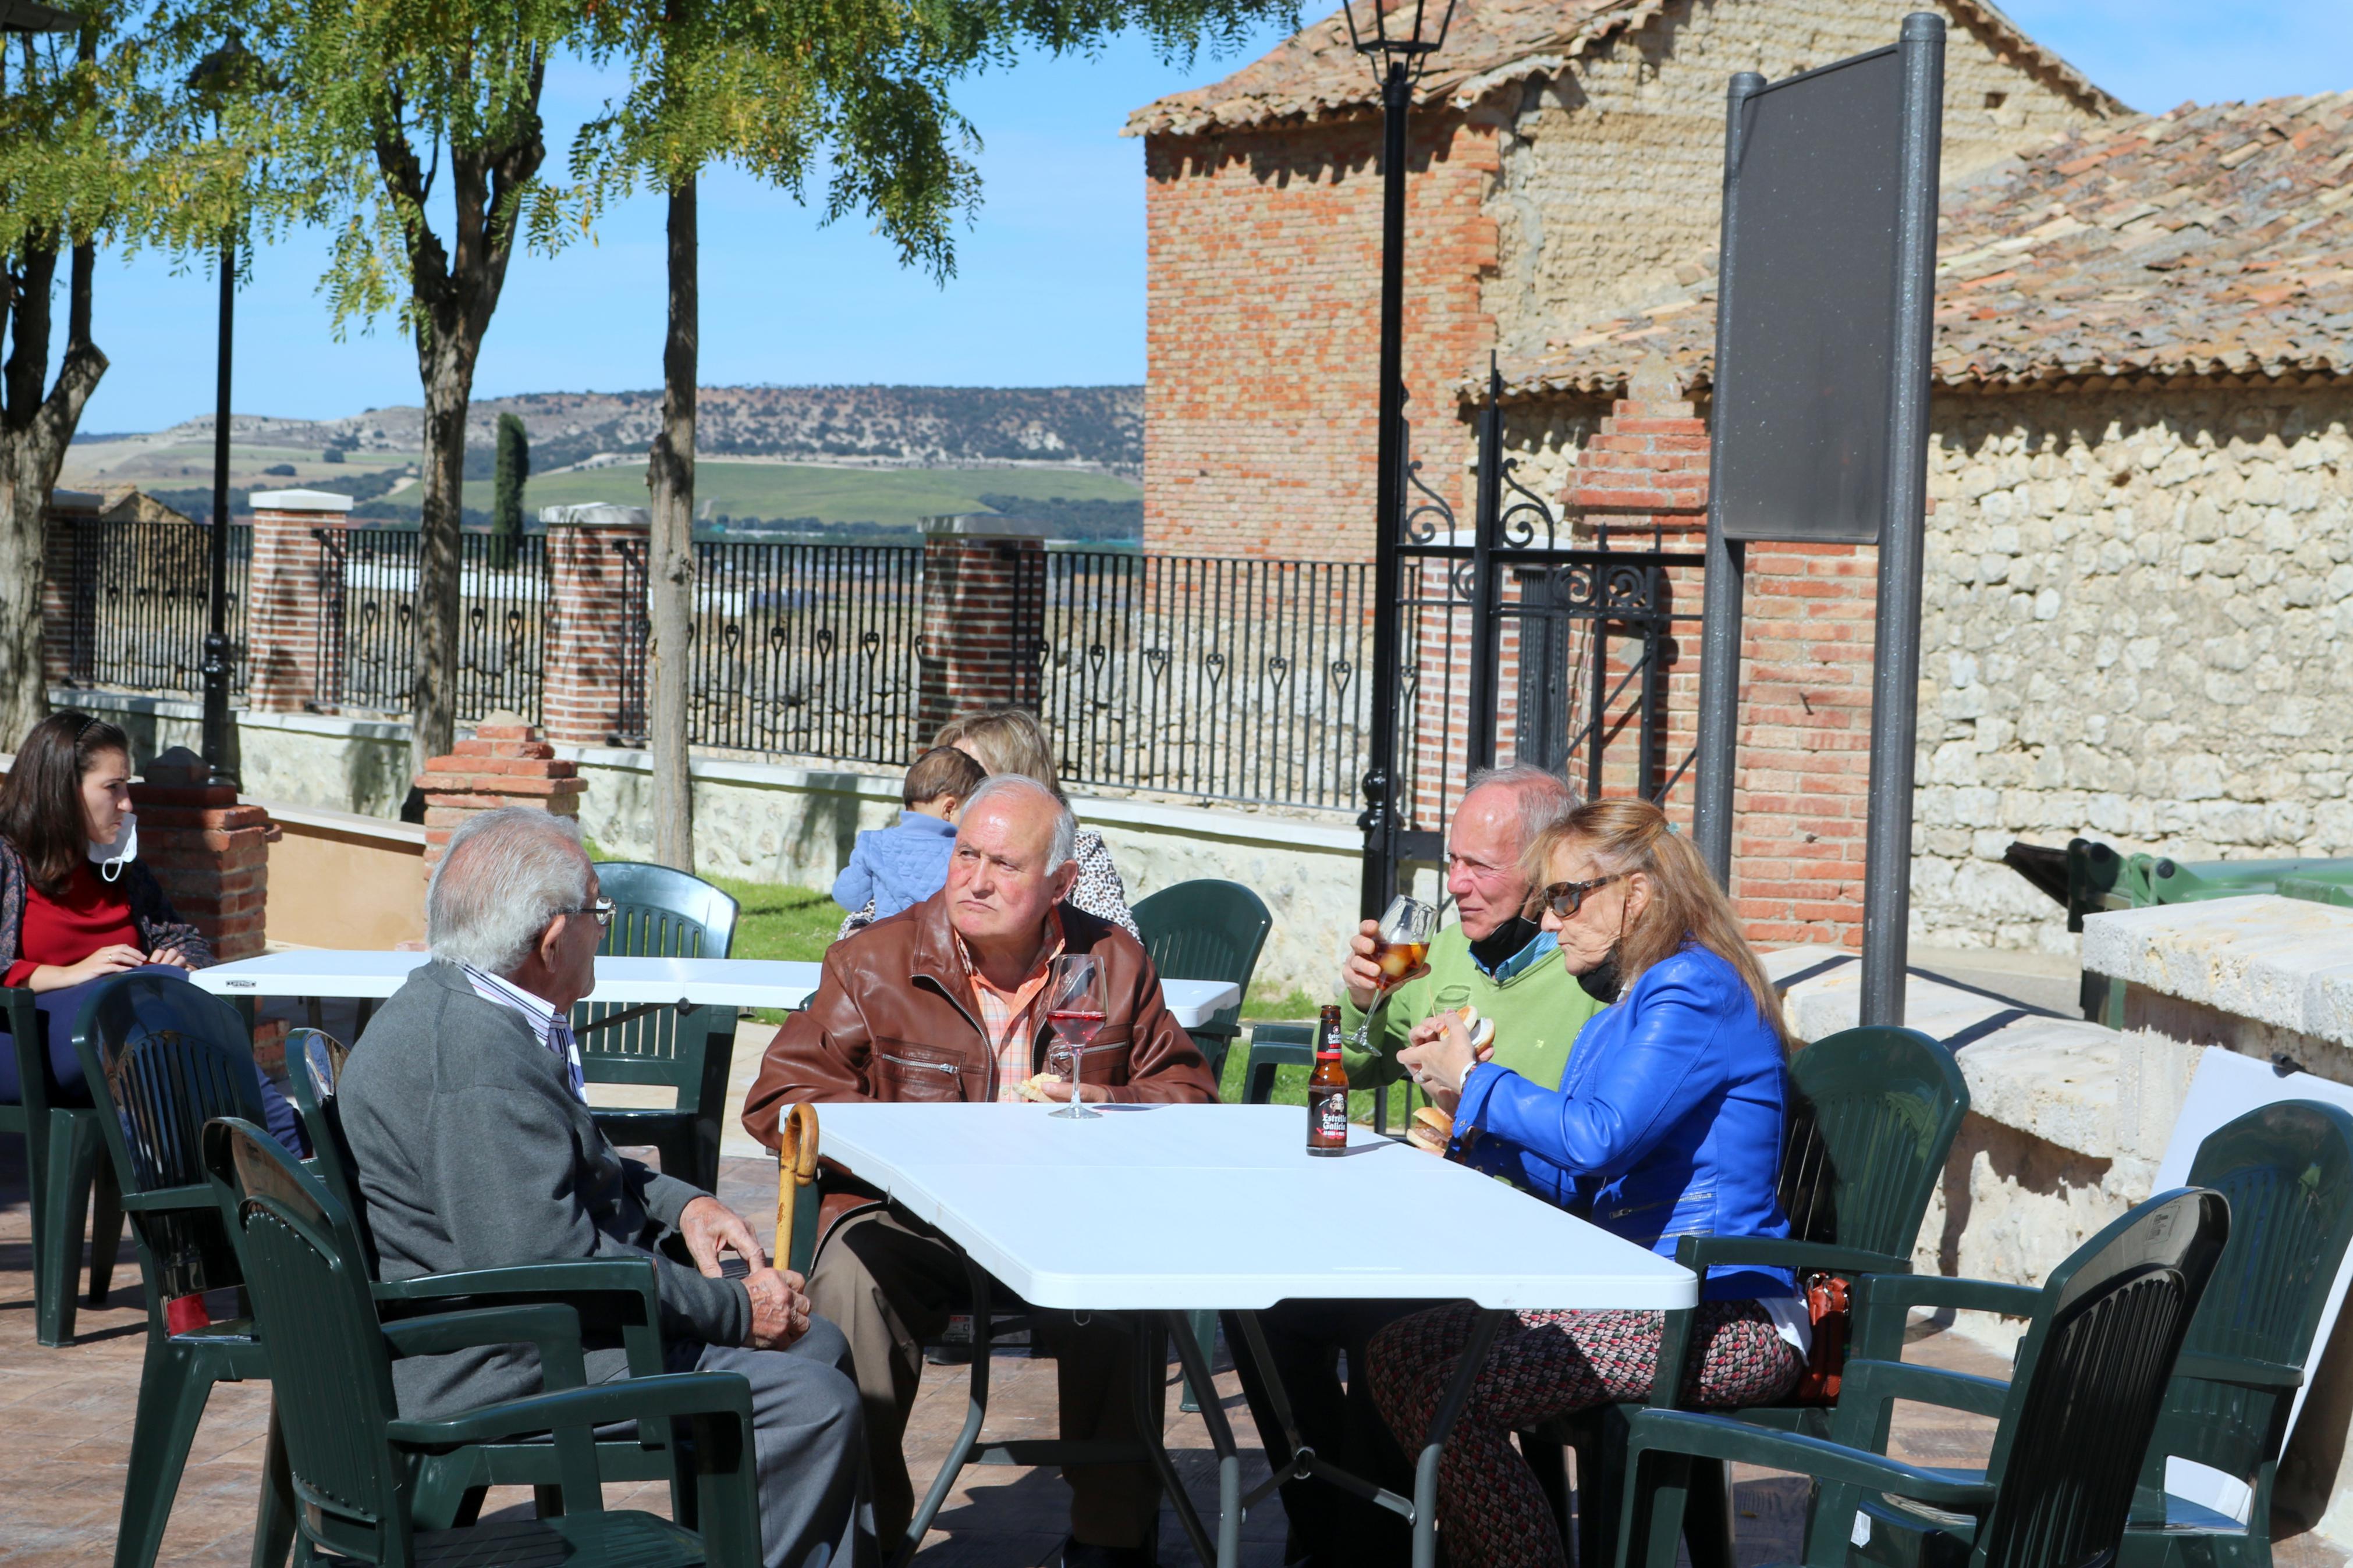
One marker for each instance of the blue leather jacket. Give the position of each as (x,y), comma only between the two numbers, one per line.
(1667,1123)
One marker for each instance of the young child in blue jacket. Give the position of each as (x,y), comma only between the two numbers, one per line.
(900,866)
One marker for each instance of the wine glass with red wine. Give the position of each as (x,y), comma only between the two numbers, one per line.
(1074,1011)
(1398,948)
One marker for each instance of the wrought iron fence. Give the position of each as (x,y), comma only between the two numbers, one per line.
(139,607)
(367,622)
(1224,677)
(808,648)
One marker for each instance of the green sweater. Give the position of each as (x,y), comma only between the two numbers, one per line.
(1538,1008)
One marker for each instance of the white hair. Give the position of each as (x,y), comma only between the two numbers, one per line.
(1064,845)
(1540,796)
(504,876)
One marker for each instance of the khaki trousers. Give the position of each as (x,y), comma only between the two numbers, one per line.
(890,1284)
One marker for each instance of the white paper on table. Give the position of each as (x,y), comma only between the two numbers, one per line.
(2227,1087)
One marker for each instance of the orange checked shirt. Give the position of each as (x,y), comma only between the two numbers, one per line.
(1011,1018)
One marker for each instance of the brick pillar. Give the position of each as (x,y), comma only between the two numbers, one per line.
(595,691)
(68,510)
(984,616)
(294,602)
(210,852)
(507,762)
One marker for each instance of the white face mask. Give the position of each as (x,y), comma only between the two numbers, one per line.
(112,857)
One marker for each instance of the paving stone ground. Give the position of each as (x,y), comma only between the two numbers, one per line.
(67,1415)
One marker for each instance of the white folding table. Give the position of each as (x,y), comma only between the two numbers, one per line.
(1161,1210)
(322,974)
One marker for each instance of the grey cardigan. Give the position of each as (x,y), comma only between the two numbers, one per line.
(473,1154)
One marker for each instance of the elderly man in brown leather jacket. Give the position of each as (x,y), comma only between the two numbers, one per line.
(945,1001)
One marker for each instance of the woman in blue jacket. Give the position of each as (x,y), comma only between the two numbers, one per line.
(1667,1123)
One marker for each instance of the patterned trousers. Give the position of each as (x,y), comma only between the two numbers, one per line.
(1546,1365)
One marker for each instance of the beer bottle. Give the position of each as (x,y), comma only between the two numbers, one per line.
(1327,1089)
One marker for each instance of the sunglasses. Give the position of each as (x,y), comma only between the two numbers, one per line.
(601,911)
(1565,898)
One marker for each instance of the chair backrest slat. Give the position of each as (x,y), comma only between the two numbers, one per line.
(1206,930)
(1872,1115)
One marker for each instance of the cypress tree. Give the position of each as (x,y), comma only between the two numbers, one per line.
(506,491)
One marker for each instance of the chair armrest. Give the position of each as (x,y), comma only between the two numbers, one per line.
(2242,1371)
(1720,1437)
(672,1394)
(1700,1253)
(553,1329)
(1866,1387)
(628,1284)
(1881,1300)
(170,1200)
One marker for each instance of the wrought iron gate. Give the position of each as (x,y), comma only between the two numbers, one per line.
(1523,629)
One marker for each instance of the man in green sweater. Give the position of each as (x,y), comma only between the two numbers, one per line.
(1510,972)
(1495,959)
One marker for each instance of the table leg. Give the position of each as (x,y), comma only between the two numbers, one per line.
(1196,1361)
(1425,1472)
(976,1414)
(1304,1460)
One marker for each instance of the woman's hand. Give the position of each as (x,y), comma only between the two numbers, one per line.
(106,961)
(176,958)
(1438,1055)
(1048,1089)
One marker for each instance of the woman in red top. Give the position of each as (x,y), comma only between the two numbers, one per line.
(75,906)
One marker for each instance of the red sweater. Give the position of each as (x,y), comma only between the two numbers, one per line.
(94,913)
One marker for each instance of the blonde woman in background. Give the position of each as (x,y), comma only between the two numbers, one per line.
(1011,741)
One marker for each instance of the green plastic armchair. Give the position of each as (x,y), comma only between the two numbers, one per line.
(65,1166)
(1207,930)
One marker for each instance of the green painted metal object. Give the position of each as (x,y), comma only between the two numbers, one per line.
(1273,1046)
(64,1168)
(365,1482)
(660,913)
(2334,886)
(1207,930)
(2091,1379)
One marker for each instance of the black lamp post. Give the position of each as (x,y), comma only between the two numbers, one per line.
(225,69)
(1399,56)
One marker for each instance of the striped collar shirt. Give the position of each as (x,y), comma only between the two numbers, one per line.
(553,1029)
(1011,1018)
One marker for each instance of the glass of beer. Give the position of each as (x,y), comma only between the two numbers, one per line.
(1398,948)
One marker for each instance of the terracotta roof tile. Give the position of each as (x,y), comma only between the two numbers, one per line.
(1315,73)
(2213,240)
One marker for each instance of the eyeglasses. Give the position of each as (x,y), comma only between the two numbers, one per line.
(1565,898)
(602,910)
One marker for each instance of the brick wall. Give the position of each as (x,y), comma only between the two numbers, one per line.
(984,616)
(210,854)
(284,594)
(67,510)
(505,761)
(595,693)
(1264,335)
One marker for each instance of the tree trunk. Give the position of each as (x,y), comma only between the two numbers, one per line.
(669,575)
(35,430)
(445,363)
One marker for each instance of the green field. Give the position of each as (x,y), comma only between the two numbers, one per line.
(889,497)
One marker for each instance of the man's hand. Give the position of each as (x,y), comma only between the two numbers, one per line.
(1360,977)
(780,1312)
(708,1226)
(1045,1089)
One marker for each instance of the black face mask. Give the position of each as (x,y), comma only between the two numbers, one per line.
(1600,982)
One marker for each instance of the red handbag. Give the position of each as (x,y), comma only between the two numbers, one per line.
(1826,1307)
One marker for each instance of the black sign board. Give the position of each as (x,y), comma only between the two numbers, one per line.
(1809,250)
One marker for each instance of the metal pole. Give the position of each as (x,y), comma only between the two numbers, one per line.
(216,657)
(1903,539)
(1379,818)
(1485,630)
(1719,636)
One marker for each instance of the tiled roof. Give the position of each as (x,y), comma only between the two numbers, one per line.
(2213,240)
(1315,73)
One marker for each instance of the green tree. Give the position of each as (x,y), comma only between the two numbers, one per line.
(773,88)
(506,491)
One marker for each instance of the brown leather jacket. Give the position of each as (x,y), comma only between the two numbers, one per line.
(893,1019)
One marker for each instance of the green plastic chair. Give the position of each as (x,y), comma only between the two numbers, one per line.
(2288,1172)
(660,912)
(162,1059)
(1873,1112)
(1273,1046)
(1207,930)
(64,1168)
(615,1295)
(359,1472)
(2075,1422)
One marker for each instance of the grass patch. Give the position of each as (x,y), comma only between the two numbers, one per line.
(1264,1005)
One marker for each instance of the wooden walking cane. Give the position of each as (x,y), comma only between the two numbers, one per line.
(796,1169)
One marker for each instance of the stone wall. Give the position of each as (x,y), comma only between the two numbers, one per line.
(2138,610)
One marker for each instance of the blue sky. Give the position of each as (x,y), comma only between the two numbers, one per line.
(1050,283)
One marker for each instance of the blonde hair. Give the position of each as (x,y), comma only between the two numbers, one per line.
(1007,741)
(1633,836)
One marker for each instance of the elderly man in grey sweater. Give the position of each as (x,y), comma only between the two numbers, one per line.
(468,1119)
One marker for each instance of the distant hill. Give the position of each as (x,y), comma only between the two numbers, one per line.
(883,427)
